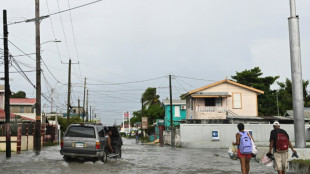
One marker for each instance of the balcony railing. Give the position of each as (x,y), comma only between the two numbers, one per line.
(211,109)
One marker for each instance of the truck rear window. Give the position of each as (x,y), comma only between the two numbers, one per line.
(81,131)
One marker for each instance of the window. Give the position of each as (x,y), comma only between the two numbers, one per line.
(177,111)
(81,131)
(210,102)
(21,109)
(237,101)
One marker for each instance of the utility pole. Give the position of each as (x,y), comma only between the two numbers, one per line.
(52,99)
(38,78)
(69,91)
(90,113)
(87,106)
(79,113)
(171,116)
(84,100)
(7,85)
(297,87)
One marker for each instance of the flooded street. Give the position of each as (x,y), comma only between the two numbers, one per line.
(136,158)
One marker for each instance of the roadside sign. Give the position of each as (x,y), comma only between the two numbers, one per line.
(144,123)
(215,135)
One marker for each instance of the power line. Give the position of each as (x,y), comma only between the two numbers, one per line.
(192,78)
(77,55)
(139,81)
(51,72)
(42,17)
(48,10)
(21,50)
(63,30)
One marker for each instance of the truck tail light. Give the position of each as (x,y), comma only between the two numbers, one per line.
(62,143)
(97,145)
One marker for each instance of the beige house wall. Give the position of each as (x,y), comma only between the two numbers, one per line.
(248,99)
(16,109)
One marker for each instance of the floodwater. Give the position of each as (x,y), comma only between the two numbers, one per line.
(136,158)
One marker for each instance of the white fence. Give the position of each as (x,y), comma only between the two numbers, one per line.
(210,109)
(200,135)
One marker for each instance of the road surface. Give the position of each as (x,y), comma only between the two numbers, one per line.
(136,158)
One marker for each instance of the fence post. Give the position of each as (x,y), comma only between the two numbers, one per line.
(33,134)
(161,132)
(27,131)
(53,133)
(43,126)
(19,137)
(3,129)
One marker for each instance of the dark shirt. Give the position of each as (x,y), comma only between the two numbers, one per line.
(273,136)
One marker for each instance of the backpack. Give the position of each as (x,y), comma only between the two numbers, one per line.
(245,143)
(281,142)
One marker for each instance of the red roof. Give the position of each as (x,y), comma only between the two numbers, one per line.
(12,116)
(22,100)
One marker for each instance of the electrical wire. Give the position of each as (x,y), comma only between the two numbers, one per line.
(62,11)
(139,81)
(63,30)
(52,26)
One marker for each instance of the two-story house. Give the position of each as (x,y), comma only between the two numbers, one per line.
(221,99)
(23,106)
(178,112)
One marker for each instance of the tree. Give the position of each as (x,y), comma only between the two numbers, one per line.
(149,97)
(19,94)
(151,107)
(285,96)
(266,102)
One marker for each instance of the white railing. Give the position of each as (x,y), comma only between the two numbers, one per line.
(211,109)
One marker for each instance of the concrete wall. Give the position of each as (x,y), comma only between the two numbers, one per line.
(167,137)
(200,135)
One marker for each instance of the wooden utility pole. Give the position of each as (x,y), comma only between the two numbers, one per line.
(90,113)
(79,112)
(87,107)
(69,93)
(52,99)
(171,116)
(7,85)
(84,100)
(38,78)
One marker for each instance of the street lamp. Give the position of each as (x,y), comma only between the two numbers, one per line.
(50,41)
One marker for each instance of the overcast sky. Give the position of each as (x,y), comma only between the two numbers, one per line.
(121,41)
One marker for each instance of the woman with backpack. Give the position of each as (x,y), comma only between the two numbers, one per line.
(243,141)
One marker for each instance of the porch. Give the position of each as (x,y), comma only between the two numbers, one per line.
(209,112)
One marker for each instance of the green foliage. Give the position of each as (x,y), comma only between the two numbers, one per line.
(149,97)
(151,107)
(285,95)
(63,122)
(155,112)
(19,94)
(267,102)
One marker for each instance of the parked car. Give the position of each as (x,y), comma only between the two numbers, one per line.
(116,141)
(84,141)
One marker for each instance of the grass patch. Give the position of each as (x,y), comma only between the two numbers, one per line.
(50,143)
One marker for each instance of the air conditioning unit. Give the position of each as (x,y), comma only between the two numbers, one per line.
(183,107)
